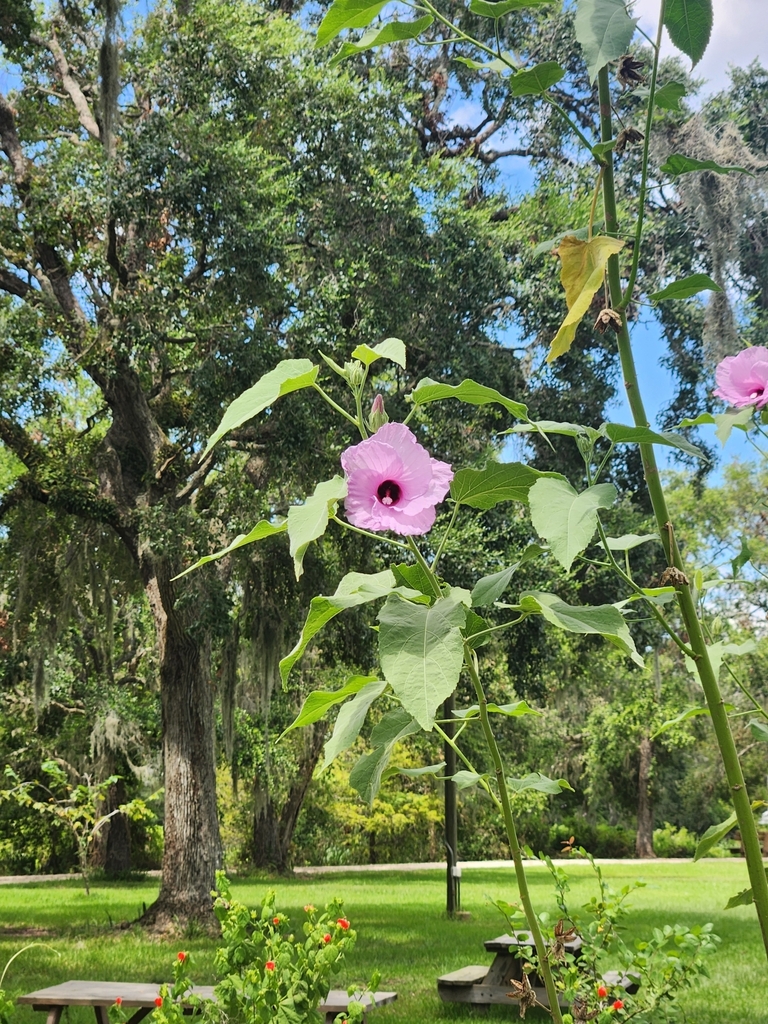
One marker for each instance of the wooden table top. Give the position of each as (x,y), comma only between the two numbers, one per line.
(138,994)
(504,943)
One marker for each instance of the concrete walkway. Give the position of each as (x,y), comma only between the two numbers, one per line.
(468,865)
(73,876)
(337,869)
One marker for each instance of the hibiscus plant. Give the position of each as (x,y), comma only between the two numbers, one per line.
(268,970)
(429,631)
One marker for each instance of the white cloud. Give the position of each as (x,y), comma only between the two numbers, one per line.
(739,35)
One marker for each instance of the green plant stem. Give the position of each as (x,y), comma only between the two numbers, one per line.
(425,566)
(334,405)
(757,706)
(359,405)
(470,660)
(532,921)
(704,668)
(502,625)
(657,614)
(627,297)
(445,536)
(483,782)
(367,533)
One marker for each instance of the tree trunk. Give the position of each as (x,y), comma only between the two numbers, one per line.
(644,843)
(112,847)
(192,851)
(273,833)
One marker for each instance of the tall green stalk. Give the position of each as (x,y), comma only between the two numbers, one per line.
(544,968)
(696,640)
(470,660)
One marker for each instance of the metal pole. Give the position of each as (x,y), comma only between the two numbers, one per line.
(451,820)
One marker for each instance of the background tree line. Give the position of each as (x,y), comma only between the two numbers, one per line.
(188,198)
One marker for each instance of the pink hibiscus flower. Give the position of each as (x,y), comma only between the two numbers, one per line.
(743,379)
(393,483)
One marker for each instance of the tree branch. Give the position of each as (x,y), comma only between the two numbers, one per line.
(71,87)
(14,285)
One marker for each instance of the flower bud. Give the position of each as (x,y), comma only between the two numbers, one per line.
(354,371)
(378,415)
(717,626)
(602,991)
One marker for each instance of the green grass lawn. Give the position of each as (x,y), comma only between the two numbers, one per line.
(402,930)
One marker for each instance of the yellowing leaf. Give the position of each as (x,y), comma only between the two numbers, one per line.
(583,266)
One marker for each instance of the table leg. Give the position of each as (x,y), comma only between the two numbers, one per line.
(54,1014)
(102,1015)
(140,1014)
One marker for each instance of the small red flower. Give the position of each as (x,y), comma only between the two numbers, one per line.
(158,1000)
(309,909)
(182,956)
(269,965)
(327,937)
(275,920)
(618,1005)
(119,1001)
(602,991)
(343,923)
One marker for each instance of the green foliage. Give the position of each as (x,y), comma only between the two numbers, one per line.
(685,288)
(678,164)
(468,391)
(266,972)
(366,776)
(670,841)
(665,964)
(309,521)
(604,29)
(499,481)
(394,32)
(421,651)
(288,376)
(689,23)
(566,519)
(76,806)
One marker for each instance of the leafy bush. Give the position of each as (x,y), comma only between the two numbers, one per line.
(674,842)
(268,971)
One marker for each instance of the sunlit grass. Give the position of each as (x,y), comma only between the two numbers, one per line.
(402,931)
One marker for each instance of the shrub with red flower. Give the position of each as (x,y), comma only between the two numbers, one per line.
(182,956)
(393,483)
(602,991)
(618,1005)
(269,965)
(343,923)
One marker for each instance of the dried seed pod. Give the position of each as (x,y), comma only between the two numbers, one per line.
(628,70)
(629,136)
(608,318)
(672,576)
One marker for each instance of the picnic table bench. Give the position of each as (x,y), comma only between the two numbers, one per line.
(141,997)
(482,985)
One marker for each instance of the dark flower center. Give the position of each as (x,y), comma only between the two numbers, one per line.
(389,492)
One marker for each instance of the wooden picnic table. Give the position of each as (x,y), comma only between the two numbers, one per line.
(483,986)
(102,994)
